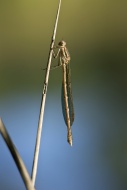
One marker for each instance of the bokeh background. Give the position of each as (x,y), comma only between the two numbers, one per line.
(96,36)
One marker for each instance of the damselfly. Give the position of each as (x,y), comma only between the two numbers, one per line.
(67,100)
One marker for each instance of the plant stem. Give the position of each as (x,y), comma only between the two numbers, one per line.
(18,160)
(38,138)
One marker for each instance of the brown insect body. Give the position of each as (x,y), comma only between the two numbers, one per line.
(67,101)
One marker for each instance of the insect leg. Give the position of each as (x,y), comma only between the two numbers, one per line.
(56,55)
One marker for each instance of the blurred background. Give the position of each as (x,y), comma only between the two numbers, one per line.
(96,36)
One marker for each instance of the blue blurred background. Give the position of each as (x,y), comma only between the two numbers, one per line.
(96,35)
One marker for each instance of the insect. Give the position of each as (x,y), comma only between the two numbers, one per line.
(66,96)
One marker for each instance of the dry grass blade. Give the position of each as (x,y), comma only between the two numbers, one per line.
(21,167)
(38,138)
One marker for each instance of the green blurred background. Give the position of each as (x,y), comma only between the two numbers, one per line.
(96,36)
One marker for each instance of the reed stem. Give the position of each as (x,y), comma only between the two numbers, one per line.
(44,93)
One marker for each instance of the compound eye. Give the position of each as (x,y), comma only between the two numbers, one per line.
(62,43)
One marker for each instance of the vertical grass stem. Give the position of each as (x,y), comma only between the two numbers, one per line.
(44,93)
